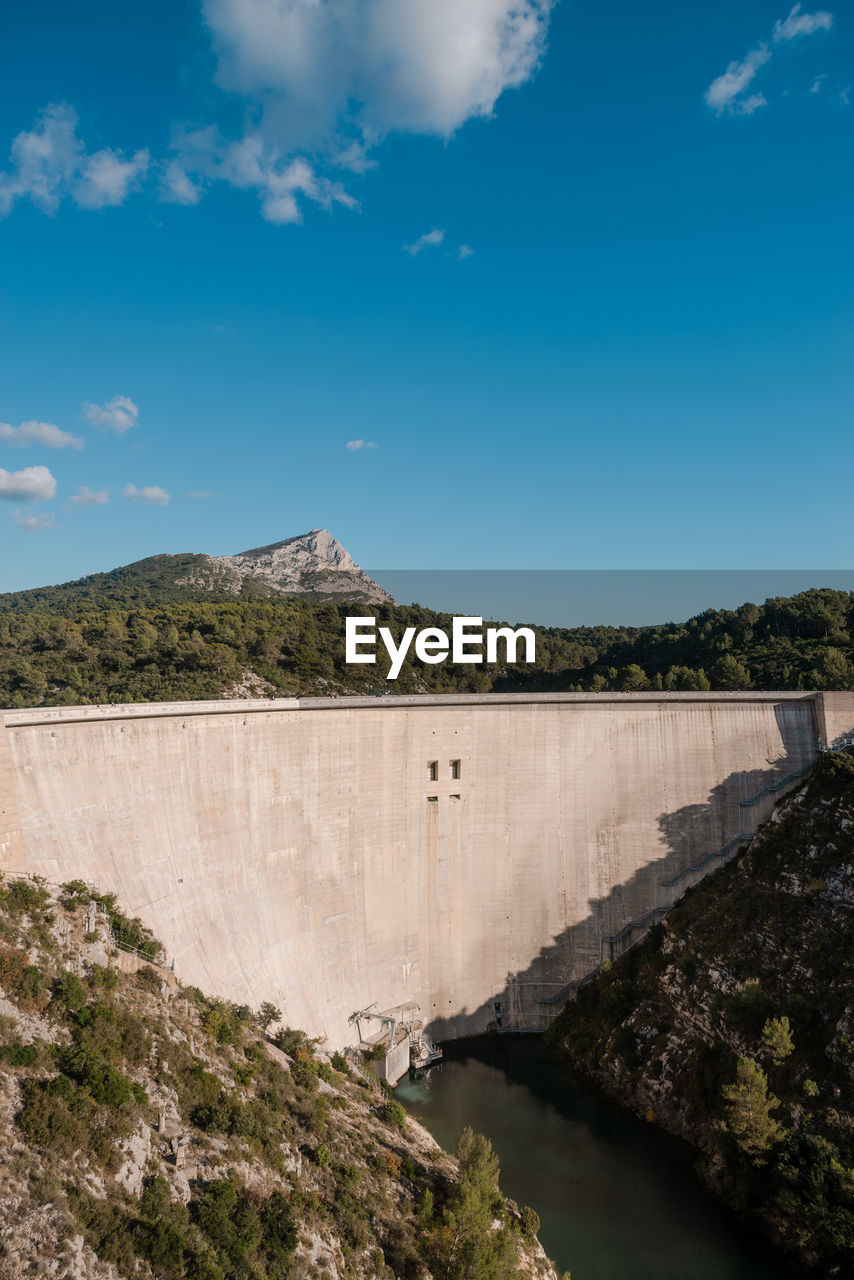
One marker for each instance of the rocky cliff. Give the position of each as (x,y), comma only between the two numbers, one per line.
(150,1132)
(732,1024)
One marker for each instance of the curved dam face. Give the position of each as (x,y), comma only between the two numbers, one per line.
(474,854)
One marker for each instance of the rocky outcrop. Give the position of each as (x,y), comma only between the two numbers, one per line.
(732,1024)
(312,563)
(150,1133)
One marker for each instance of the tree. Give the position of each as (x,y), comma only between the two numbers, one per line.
(777,1040)
(267,1015)
(466,1246)
(749,1107)
(728,673)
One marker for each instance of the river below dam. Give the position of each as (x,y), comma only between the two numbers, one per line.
(617,1199)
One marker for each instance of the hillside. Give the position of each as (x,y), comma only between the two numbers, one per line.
(311,564)
(732,1024)
(153,1133)
(268,622)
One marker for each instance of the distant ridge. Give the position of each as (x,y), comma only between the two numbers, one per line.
(313,565)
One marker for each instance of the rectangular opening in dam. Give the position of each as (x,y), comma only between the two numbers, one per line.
(455,770)
(433,771)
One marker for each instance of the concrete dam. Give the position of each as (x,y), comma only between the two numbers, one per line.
(478,855)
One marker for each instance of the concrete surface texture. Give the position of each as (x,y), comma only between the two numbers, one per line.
(474,854)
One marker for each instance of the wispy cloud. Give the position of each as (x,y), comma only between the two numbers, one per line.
(43,433)
(152,495)
(32,484)
(724,94)
(801,24)
(464,251)
(728,93)
(31,523)
(118,414)
(361,444)
(430,240)
(252,163)
(49,163)
(86,497)
(198,495)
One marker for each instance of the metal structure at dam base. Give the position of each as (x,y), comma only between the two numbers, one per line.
(478,856)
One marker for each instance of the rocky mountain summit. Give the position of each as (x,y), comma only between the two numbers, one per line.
(312,563)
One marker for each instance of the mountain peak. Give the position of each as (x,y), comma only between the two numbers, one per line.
(310,563)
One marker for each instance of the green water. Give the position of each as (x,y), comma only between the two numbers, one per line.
(617,1199)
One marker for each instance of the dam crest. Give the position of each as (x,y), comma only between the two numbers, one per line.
(478,855)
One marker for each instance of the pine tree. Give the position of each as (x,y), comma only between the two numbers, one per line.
(777,1040)
(749,1107)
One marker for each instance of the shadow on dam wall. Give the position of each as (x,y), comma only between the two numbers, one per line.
(736,807)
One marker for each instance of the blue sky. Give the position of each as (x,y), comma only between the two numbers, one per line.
(640,359)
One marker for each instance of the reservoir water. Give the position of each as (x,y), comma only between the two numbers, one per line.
(617,1199)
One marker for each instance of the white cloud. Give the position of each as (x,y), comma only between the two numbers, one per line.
(49,163)
(253,163)
(332,78)
(118,414)
(361,444)
(86,497)
(724,93)
(106,178)
(152,495)
(464,251)
(329,79)
(429,240)
(32,484)
(801,24)
(44,433)
(425,66)
(198,495)
(30,523)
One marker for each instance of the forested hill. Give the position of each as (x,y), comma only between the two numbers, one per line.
(157,580)
(132,638)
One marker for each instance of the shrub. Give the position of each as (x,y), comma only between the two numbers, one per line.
(69,992)
(530,1220)
(24,897)
(393,1114)
(75,894)
(20,1055)
(291,1041)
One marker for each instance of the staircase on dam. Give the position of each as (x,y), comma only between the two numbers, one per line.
(477,855)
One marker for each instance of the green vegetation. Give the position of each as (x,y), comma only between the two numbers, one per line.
(465,1245)
(732,1023)
(139,638)
(293,1170)
(749,1107)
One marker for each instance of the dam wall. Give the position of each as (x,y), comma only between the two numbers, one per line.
(475,854)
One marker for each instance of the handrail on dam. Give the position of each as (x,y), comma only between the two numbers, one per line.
(743,837)
(575,985)
(775,786)
(635,924)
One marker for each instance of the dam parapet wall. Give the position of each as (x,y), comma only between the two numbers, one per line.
(473,854)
